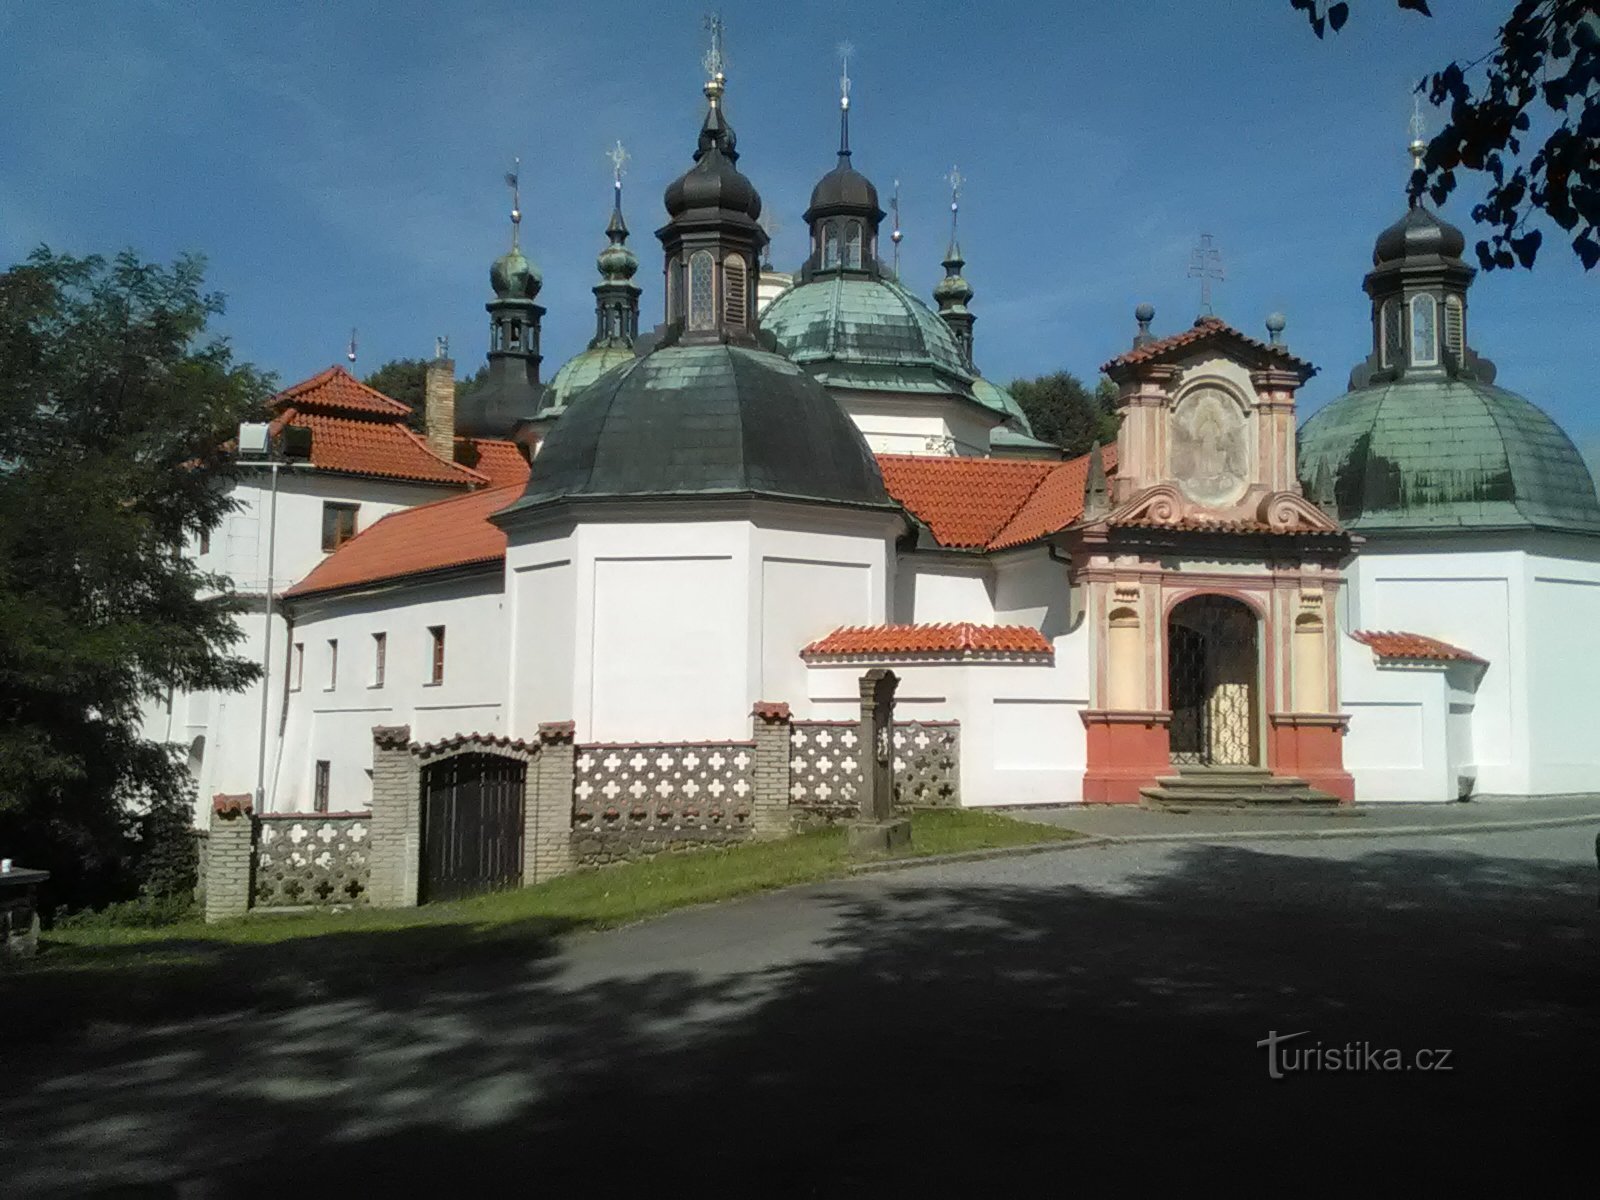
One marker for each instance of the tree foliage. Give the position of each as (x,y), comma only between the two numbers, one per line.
(1063,411)
(1545,65)
(405,380)
(115,402)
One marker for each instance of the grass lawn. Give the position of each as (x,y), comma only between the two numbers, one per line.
(127,975)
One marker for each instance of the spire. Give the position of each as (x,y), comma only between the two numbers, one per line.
(514,182)
(843,214)
(845,51)
(713,240)
(1419,144)
(616,296)
(896,235)
(1096,495)
(953,292)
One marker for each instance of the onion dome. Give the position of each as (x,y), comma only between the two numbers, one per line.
(1419,234)
(578,372)
(513,277)
(713,184)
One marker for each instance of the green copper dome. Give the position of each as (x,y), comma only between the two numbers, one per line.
(579,371)
(705,420)
(992,395)
(1432,454)
(513,277)
(860,332)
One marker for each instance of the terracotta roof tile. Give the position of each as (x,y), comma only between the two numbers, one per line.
(1199,524)
(1389,644)
(374,446)
(1204,330)
(337,390)
(989,503)
(962,638)
(430,537)
(499,460)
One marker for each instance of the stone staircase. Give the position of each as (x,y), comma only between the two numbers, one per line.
(1233,787)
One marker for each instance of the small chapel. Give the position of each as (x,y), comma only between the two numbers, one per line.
(723,521)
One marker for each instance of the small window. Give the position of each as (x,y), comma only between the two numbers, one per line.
(333,663)
(516,335)
(733,293)
(380,647)
(676,294)
(1455,327)
(205,541)
(1424,331)
(830,245)
(319,795)
(436,637)
(338,524)
(297,666)
(702,312)
(852,244)
(1393,340)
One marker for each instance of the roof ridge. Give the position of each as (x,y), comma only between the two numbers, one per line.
(330,374)
(449,462)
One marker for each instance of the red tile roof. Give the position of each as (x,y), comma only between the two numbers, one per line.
(962,638)
(1204,330)
(360,431)
(501,461)
(1388,644)
(989,503)
(430,537)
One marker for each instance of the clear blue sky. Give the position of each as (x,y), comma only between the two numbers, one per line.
(340,164)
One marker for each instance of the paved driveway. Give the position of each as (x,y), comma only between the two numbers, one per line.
(1045,1019)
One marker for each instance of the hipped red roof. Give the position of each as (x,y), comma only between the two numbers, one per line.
(961,637)
(1390,644)
(431,537)
(988,503)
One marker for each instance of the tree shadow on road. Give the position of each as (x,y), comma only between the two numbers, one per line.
(928,1038)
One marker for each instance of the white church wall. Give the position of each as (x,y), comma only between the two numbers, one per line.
(330,718)
(941,588)
(1563,651)
(541,596)
(916,423)
(1398,746)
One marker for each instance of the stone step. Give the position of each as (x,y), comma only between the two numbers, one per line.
(1298,798)
(1234,787)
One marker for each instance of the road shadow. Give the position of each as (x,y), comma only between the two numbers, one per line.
(927,1038)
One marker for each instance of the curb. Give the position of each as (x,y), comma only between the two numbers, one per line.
(1241,835)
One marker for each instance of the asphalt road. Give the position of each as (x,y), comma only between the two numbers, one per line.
(1056,1020)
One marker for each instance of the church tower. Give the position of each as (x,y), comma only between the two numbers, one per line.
(954,293)
(843,215)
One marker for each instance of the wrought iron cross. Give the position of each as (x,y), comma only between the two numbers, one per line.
(896,235)
(845,51)
(715,62)
(1419,130)
(955,179)
(351,353)
(514,182)
(619,167)
(1205,264)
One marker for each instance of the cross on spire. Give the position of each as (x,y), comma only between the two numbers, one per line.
(619,167)
(351,352)
(955,179)
(514,182)
(1205,264)
(1419,128)
(895,235)
(845,51)
(715,62)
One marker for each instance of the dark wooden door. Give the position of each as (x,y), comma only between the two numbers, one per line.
(471,825)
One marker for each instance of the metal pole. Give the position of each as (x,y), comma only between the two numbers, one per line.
(266,651)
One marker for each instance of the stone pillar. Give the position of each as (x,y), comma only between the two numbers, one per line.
(230,858)
(394,847)
(876,830)
(439,407)
(547,806)
(770,725)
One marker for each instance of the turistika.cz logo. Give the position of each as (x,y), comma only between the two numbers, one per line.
(1307,1058)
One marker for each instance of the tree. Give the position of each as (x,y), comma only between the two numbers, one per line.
(1063,411)
(405,380)
(115,403)
(1547,63)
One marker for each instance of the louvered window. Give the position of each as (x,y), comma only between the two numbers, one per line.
(1455,327)
(676,298)
(702,313)
(1393,345)
(733,294)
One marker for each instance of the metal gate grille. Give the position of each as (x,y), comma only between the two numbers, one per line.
(1211,681)
(471,825)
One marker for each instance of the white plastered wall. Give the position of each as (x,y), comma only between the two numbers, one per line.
(917,423)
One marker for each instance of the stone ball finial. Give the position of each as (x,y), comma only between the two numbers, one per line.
(1276,322)
(1145,313)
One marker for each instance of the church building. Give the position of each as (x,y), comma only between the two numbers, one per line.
(752,504)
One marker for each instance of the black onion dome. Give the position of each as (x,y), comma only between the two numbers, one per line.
(714,182)
(844,187)
(1420,233)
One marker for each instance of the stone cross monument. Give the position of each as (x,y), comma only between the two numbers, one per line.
(876,829)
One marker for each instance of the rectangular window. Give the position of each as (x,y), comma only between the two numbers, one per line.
(333,663)
(319,797)
(380,645)
(297,666)
(205,541)
(338,524)
(436,636)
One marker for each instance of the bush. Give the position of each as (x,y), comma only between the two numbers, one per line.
(145,912)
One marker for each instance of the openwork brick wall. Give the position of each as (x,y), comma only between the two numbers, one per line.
(634,800)
(825,772)
(306,859)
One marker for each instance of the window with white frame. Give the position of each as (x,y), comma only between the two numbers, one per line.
(702,311)
(1424,331)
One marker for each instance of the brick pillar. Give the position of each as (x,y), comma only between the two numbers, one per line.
(770,724)
(547,806)
(230,858)
(394,846)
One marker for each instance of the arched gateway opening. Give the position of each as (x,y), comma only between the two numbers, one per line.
(1213,673)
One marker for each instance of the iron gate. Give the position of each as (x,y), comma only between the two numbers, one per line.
(471,825)
(1211,682)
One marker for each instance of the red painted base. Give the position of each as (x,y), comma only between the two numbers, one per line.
(1127,751)
(1311,746)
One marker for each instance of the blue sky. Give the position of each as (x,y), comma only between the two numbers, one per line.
(340,163)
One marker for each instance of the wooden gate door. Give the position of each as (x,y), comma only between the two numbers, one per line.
(471,825)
